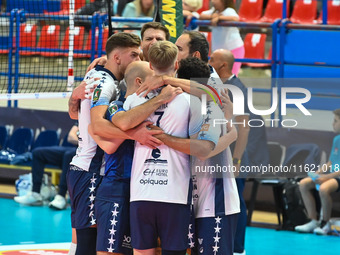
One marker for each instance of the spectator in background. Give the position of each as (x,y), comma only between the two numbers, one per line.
(325,183)
(228,38)
(190,8)
(138,9)
(89,9)
(121,6)
(60,156)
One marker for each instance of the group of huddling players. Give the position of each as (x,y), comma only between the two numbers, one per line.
(132,182)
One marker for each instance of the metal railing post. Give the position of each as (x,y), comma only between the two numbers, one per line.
(10,53)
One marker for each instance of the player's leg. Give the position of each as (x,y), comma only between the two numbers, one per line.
(215,235)
(112,214)
(173,221)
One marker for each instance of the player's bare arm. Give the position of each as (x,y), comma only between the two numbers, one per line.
(135,116)
(83,91)
(156,81)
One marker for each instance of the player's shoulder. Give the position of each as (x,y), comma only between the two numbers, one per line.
(101,72)
(134,100)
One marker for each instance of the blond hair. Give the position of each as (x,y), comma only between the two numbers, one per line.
(195,4)
(163,55)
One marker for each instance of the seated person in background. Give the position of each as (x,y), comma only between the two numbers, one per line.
(325,184)
(60,156)
(89,9)
(120,7)
(137,9)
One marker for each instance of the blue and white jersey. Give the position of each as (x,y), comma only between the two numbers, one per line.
(118,164)
(163,174)
(89,156)
(215,193)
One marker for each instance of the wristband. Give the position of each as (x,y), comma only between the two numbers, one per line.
(236,161)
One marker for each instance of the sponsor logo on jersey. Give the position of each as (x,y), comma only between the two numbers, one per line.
(153,182)
(157,172)
(96,94)
(205,127)
(113,108)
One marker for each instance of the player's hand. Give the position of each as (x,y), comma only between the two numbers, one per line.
(85,89)
(150,83)
(145,136)
(161,136)
(227,105)
(169,92)
(98,61)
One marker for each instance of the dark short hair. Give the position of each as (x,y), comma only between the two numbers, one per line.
(228,4)
(337,112)
(199,43)
(124,40)
(192,68)
(156,26)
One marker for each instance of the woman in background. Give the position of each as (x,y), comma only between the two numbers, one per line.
(228,38)
(137,9)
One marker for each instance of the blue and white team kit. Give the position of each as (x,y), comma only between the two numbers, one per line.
(161,184)
(87,165)
(113,195)
(161,179)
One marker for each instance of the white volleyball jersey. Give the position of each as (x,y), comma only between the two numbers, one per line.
(89,157)
(163,174)
(215,194)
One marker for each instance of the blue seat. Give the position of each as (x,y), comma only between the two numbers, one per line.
(47,138)
(20,141)
(3,137)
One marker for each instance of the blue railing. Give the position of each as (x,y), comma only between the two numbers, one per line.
(278,61)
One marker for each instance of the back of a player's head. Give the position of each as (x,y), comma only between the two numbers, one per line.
(156,26)
(199,43)
(122,40)
(163,56)
(137,69)
(193,68)
(336,112)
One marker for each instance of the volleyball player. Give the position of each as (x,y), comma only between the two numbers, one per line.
(84,175)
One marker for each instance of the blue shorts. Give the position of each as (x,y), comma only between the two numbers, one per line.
(215,235)
(82,187)
(168,221)
(112,214)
